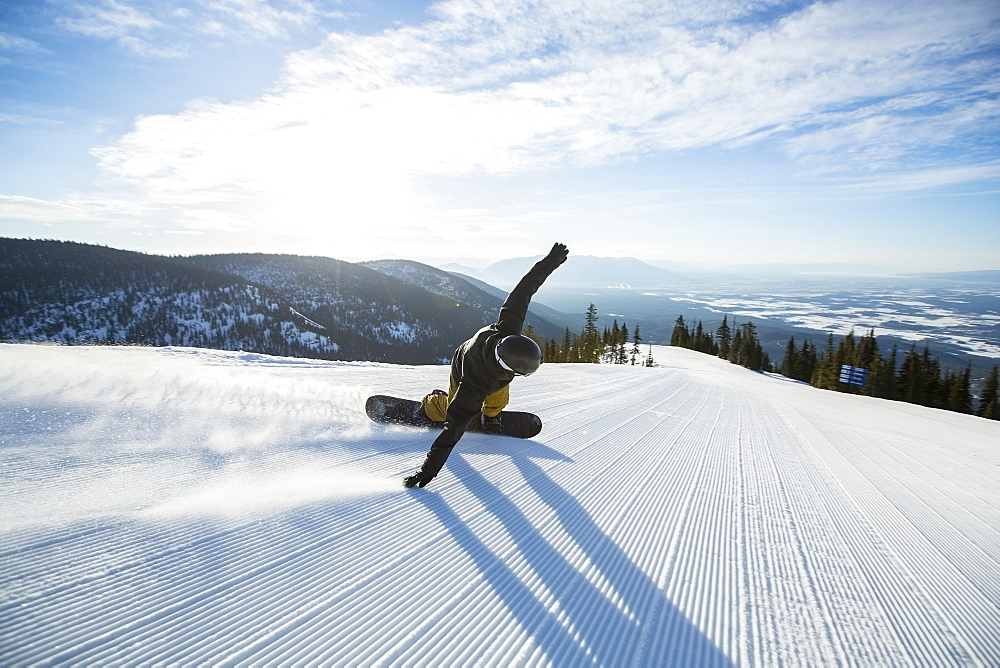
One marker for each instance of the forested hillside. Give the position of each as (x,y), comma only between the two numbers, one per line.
(74,293)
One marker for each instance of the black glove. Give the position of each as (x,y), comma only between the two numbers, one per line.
(558,254)
(418,479)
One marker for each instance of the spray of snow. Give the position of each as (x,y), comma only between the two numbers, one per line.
(135,431)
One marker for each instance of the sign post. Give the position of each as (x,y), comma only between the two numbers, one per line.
(853,375)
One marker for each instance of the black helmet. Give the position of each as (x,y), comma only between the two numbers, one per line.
(519,354)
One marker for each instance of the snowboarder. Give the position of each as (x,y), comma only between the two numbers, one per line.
(484,366)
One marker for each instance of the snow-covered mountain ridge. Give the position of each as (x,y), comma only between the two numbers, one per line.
(437,281)
(186,506)
(471,292)
(275,304)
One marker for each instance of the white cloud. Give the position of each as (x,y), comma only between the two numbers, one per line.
(131,28)
(39,210)
(503,88)
(16,43)
(71,208)
(355,126)
(166,30)
(931,178)
(108,20)
(22,119)
(265,18)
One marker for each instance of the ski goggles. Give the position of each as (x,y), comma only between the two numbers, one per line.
(496,352)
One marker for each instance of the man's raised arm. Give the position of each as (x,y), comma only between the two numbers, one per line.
(515,307)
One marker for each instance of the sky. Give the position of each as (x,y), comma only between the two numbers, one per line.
(689,132)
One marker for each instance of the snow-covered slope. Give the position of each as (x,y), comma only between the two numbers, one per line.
(193,507)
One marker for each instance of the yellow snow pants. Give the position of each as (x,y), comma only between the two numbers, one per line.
(436,405)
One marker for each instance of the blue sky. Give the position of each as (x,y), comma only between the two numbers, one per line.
(703,133)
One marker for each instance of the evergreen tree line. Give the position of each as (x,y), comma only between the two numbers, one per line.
(737,344)
(593,346)
(918,379)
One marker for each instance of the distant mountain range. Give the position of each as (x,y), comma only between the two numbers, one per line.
(983,276)
(406,312)
(392,311)
(470,291)
(583,271)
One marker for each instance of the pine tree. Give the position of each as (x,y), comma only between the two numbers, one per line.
(746,350)
(623,345)
(551,351)
(621,353)
(910,382)
(591,339)
(752,354)
(868,357)
(826,372)
(736,347)
(680,337)
(867,354)
(702,341)
(935,393)
(529,331)
(636,340)
(614,344)
(724,337)
(884,385)
(960,391)
(989,403)
(805,362)
(846,355)
(565,353)
(788,365)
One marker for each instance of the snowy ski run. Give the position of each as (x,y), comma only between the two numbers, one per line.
(194,507)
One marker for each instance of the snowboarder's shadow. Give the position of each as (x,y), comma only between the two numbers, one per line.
(628,620)
(516,448)
(406,439)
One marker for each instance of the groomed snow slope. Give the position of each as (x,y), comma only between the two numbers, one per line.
(192,507)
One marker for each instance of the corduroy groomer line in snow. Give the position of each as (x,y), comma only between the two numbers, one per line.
(192,507)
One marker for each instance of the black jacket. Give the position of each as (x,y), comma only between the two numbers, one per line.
(475,370)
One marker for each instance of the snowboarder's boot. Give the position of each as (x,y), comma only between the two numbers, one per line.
(491,425)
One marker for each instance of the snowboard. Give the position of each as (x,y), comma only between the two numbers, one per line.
(393,410)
